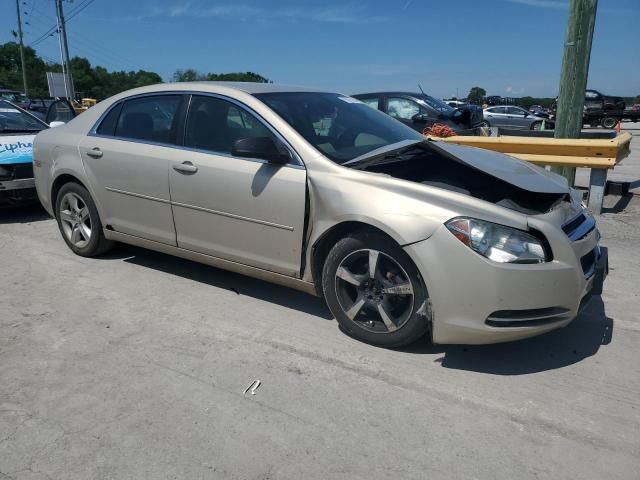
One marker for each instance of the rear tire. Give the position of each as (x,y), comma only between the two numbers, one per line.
(386,306)
(609,122)
(79,222)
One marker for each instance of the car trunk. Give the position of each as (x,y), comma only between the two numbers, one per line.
(489,176)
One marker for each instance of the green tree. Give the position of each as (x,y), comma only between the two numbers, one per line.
(476,94)
(93,81)
(191,75)
(11,73)
(527,102)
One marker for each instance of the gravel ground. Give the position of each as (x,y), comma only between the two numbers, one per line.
(133,366)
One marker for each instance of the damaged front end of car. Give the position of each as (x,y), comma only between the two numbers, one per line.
(493,177)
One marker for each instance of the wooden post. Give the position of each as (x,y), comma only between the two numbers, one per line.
(573,77)
(21,44)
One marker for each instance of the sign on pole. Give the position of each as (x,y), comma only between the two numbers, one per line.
(59,85)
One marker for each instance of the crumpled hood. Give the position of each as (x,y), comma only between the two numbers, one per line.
(16,149)
(522,174)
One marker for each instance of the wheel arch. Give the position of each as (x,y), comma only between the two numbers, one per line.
(58,183)
(322,245)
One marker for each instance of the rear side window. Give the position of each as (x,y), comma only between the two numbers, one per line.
(108,125)
(153,118)
(371,102)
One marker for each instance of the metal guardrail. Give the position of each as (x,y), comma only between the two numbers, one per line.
(599,155)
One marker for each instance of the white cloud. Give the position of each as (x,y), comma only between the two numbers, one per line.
(559,4)
(564,5)
(347,14)
(515,90)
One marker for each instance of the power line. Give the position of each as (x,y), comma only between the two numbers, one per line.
(93,52)
(79,9)
(53,29)
(99,50)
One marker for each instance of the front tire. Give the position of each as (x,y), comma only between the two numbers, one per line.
(79,222)
(609,122)
(375,291)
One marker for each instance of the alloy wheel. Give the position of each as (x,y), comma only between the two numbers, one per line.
(75,220)
(374,291)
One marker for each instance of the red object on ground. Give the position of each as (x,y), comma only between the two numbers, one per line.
(618,126)
(439,130)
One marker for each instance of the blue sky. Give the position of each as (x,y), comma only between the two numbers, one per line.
(509,47)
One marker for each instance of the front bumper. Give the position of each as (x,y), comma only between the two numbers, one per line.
(477,301)
(17,185)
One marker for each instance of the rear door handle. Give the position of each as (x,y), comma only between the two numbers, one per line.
(95,152)
(185,167)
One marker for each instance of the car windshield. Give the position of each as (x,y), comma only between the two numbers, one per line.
(340,127)
(15,97)
(439,105)
(14,120)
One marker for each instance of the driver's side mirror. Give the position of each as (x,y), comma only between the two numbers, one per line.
(56,124)
(264,148)
(526,114)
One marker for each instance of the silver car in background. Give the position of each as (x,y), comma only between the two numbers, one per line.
(314,190)
(513,117)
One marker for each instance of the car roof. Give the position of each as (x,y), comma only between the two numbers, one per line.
(215,87)
(405,94)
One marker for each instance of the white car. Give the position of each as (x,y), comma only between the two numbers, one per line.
(513,117)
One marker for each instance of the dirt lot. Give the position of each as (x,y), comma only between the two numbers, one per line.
(133,367)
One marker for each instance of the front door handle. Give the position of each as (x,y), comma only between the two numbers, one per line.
(185,167)
(95,152)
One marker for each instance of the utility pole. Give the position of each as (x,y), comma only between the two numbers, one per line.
(20,42)
(66,67)
(574,74)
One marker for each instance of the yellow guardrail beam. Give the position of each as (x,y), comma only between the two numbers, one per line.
(590,153)
(565,161)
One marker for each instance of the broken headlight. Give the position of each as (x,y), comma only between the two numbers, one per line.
(497,242)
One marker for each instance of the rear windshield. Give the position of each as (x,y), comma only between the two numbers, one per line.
(340,127)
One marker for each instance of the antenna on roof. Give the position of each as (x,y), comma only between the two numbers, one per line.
(420,87)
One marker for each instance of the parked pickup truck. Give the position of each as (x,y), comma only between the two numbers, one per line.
(605,110)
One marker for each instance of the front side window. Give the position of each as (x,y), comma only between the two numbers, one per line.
(498,110)
(215,125)
(342,128)
(438,105)
(152,118)
(402,108)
